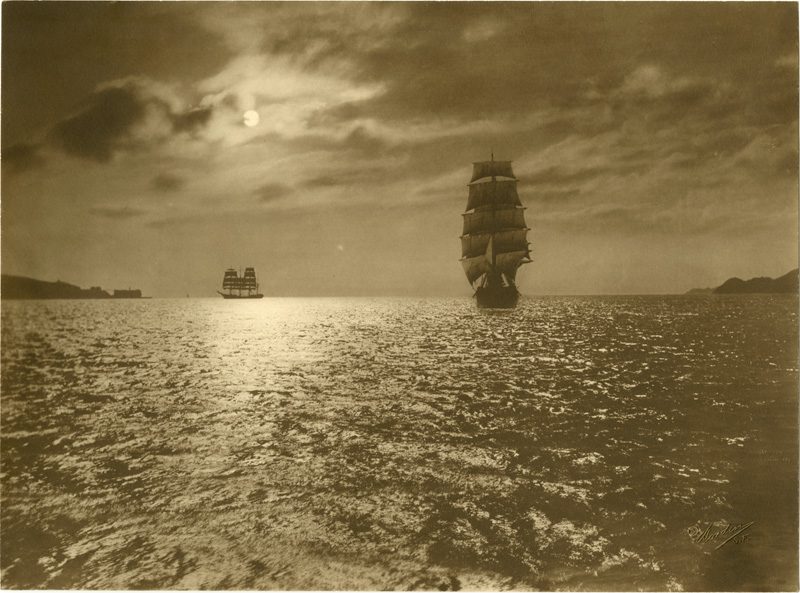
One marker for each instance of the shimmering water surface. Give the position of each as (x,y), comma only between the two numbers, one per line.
(571,444)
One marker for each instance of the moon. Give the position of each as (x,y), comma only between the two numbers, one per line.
(251,118)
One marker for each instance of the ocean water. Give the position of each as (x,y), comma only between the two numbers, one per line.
(588,443)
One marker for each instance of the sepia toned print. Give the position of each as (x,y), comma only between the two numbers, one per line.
(399,296)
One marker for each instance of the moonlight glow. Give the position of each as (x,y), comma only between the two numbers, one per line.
(251,118)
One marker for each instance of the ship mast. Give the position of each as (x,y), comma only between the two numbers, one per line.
(494,209)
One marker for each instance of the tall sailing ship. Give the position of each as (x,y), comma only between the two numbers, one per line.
(240,287)
(495,240)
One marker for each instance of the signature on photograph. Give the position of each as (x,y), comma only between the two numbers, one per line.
(729,533)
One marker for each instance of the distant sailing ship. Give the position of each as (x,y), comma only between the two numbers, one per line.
(495,240)
(245,286)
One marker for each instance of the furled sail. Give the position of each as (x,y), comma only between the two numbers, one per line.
(491,169)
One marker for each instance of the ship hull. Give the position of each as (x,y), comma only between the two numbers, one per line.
(501,297)
(243,296)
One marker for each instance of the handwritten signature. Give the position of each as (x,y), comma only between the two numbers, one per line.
(731,533)
(773,456)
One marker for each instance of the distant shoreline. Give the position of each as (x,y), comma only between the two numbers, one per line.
(23,288)
(786,284)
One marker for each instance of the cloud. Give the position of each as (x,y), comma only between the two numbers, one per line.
(165,182)
(653,97)
(559,196)
(560,174)
(273,191)
(57,54)
(127,115)
(680,155)
(325,181)
(462,61)
(363,140)
(192,120)
(102,126)
(22,157)
(347,174)
(285,95)
(771,155)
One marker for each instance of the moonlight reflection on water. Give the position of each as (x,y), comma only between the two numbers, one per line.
(574,443)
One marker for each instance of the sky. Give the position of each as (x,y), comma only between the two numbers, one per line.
(329,145)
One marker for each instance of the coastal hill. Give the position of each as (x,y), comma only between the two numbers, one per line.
(786,284)
(20,287)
